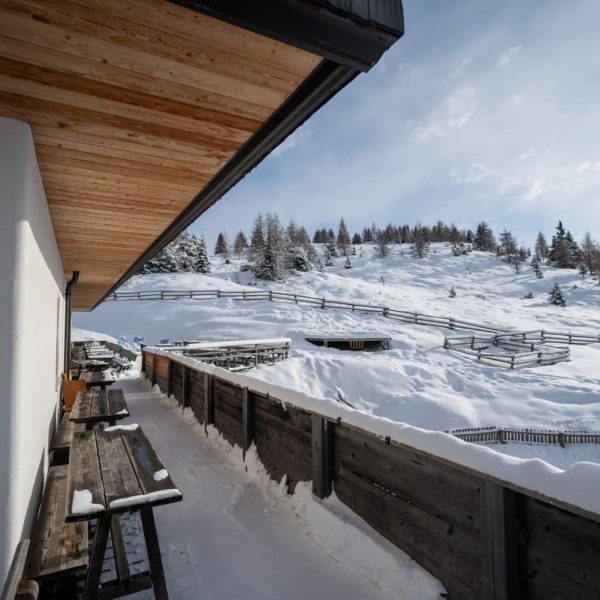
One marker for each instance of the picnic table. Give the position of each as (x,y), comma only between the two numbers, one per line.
(92,364)
(97,378)
(114,471)
(99,406)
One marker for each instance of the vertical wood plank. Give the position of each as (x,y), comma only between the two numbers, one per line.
(247,419)
(322,456)
(185,387)
(169,377)
(154,361)
(209,397)
(499,537)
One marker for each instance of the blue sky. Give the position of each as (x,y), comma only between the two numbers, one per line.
(484,110)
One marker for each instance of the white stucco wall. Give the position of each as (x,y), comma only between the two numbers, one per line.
(31,335)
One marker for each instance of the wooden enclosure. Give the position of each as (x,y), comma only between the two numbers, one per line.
(480,537)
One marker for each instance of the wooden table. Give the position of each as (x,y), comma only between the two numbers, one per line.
(94,406)
(97,378)
(90,364)
(112,472)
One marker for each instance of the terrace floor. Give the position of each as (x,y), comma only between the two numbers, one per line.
(235,534)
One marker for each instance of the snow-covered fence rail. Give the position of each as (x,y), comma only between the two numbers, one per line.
(519,353)
(503,435)
(486,525)
(415,318)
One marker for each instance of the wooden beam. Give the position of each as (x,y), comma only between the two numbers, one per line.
(322,456)
(499,541)
(247,420)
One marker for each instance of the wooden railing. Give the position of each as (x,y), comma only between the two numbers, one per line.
(415,318)
(481,535)
(518,353)
(504,435)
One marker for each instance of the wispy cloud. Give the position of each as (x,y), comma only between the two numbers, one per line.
(482,111)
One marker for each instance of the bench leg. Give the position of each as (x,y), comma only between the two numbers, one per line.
(157,573)
(97,557)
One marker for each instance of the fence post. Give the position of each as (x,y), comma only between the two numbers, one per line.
(500,546)
(154,357)
(170,379)
(322,456)
(209,400)
(247,420)
(185,387)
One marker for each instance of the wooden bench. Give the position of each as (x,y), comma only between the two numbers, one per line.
(15,587)
(61,440)
(57,548)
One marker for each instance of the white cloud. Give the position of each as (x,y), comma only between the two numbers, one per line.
(588,166)
(527,154)
(508,55)
(455,111)
(537,188)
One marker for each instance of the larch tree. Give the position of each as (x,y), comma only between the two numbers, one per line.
(343,238)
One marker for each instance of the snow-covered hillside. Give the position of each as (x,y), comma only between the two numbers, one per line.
(417,381)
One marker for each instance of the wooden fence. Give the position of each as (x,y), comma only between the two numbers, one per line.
(503,435)
(481,537)
(401,315)
(514,353)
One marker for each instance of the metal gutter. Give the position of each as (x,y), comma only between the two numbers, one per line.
(68,311)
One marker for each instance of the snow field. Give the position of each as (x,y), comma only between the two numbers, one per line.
(417,381)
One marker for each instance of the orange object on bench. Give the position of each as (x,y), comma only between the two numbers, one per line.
(70,387)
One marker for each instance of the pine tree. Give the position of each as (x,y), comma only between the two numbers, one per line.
(555,296)
(266,267)
(222,247)
(343,238)
(507,244)
(327,256)
(240,244)
(202,263)
(257,238)
(589,252)
(561,249)
(541,246)
(300,261)
(383,249)
(583,270)
(420,241)
(347,264)
(484,238)
(452,293)
(535,265)
(356,239)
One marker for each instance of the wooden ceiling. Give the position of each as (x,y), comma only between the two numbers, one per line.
(135,105)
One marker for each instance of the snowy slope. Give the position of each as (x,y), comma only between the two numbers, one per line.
(417,381)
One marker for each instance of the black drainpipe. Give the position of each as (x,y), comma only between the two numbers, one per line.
(70,284)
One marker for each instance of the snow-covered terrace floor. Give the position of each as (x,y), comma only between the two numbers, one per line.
(237,534)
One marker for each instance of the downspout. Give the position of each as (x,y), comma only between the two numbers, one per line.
(70,284)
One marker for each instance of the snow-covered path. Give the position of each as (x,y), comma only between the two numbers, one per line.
(235,534)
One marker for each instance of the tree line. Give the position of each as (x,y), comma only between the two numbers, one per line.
(274,250)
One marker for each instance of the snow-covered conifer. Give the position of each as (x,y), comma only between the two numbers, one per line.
(202,264)
(555,296)
(347,264)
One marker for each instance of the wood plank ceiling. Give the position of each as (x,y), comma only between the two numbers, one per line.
(134,106)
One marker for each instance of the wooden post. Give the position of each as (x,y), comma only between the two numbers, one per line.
(247,420)
(322,456)
(170,378)
(154,357)
(209,399)
(185,387)
(499,542)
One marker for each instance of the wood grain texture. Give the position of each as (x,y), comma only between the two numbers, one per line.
(56,546)
(134,107)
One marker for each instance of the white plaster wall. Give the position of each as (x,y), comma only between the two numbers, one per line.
(31,335)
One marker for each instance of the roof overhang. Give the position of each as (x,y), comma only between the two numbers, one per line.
(145,112)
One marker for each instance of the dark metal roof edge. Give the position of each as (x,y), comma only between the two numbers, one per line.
(327,28)
(324,82)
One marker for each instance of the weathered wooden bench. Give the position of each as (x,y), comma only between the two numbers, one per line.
(61,440)
(15,587)
(57,548)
